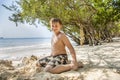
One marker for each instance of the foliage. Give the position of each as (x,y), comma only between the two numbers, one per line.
(85,21)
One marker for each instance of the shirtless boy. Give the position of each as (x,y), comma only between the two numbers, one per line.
(57,62)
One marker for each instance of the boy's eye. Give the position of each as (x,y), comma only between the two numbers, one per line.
(54,26)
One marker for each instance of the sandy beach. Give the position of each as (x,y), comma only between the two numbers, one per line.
(101,62)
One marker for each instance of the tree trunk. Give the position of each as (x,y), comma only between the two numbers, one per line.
(82,35)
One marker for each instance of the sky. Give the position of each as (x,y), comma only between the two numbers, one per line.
(8,28)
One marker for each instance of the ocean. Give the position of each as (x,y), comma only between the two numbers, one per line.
(16,48)
(14,42)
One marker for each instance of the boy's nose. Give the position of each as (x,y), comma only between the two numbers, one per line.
(54,27)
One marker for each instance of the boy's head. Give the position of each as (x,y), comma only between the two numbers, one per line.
(55,24)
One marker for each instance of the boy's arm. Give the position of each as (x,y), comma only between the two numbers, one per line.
(71,49)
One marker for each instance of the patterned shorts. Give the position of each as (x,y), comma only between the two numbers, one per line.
(54,60)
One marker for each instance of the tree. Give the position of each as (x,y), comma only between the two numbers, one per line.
(85,21)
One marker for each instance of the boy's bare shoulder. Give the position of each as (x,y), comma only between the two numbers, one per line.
(62,35)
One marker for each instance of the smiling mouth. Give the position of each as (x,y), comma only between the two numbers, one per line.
(55,29)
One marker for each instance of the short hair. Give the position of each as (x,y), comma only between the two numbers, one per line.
(52,20)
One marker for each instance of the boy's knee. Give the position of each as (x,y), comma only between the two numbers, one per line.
(47,68)
(38,64)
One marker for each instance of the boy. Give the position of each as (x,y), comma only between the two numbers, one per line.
(57,62)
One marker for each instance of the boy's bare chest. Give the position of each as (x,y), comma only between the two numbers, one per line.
(56,41)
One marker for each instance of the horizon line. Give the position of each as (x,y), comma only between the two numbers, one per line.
(22,37)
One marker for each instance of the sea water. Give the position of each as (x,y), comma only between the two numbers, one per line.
(13,42)
(15,48)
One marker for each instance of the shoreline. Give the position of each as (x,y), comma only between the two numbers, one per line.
(22,51)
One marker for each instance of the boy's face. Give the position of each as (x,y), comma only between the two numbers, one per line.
(56,27)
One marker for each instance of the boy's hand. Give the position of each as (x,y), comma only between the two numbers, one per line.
(74,65)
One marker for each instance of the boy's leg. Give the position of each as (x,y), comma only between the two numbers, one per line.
(58,69)
(61,68)
(38,64)
(58,64)
(43,62)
